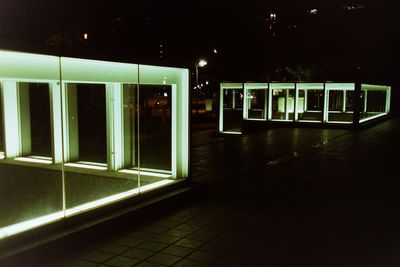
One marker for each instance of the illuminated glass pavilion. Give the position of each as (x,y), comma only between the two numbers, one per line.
(301,103)
(77,135)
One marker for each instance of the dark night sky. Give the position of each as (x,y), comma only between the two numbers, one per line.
(336,41)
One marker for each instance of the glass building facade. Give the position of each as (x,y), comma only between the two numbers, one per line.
(331,103)
(76,135)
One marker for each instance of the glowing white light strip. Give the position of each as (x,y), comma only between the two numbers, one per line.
(155,170)
(40,157)
(372,117)
(250,119)
(34,160)
(92,163)
(232,132)
(161,175)
(340,122)
(93,167)
(114,198)
(155,185)
(26,225)
(2,156)
(312,121)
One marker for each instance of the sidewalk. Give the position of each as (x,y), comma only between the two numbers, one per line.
(284,197)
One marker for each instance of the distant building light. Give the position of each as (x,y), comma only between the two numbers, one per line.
(85,36)
(165,94)
(207,82)
(353,7)
(272,16)
(215,51)
(313,11)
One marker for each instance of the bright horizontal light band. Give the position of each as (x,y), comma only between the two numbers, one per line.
(85,166)
(340,122)
(34,160)
(114,198)
(161,175)
(26,225)
(232,132)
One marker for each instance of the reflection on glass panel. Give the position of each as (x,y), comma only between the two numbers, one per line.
(256,103)
(373,103)
(283,104)
(349,101)
(310,105)
(130,120)
(1,126)
(290,105)
(278,104)
(338,103)
(155,103)
(232,110)
(35,119)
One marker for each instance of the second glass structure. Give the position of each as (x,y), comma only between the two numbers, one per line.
(333,103)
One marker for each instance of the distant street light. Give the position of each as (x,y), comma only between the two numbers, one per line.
(201,63)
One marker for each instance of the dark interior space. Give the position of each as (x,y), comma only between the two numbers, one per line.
(155,126)
(39,99)
(92,122)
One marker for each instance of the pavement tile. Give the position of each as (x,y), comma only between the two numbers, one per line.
(167,239)
(167,223)
(177,251)
(204,256)
(142,235)
(166,259)
(97,256)
(189,243)
(187,227)
(190,263)
(156,229)
(112,248)
(178,233)
(152,246)
(78,263)
(127,241)
(121,261)
(138,253)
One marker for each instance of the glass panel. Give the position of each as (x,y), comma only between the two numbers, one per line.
(31,183)
(256,103)
(310,105)
(100,137)
(373,103)
(233,110)
(155,127)
(340,106)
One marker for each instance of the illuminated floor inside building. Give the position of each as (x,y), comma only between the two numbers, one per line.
(38,192)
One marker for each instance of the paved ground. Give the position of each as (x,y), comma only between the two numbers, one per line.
(283,197)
